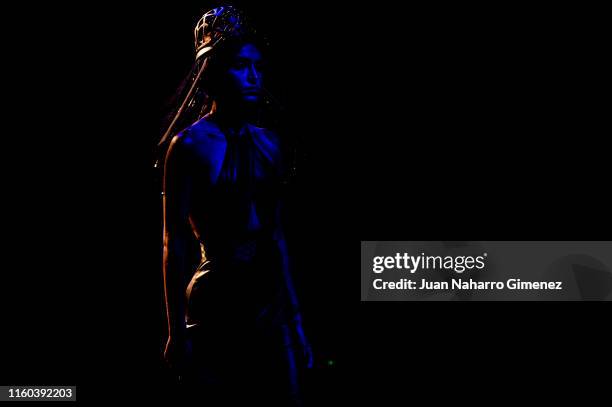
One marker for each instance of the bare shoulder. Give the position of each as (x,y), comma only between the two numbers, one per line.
(202,141)
(204,131)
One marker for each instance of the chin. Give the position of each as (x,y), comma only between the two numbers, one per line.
(251,99)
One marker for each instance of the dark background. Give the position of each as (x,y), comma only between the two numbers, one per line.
(86,304)
(452,123)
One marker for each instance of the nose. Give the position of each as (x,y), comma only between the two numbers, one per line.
(253,75)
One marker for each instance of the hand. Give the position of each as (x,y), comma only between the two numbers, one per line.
(178,355)
(304,346)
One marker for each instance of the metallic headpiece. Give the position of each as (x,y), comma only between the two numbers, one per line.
(215,26)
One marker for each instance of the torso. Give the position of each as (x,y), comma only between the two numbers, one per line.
(232,204)
(233,215)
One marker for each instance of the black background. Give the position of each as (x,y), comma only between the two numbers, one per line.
(453,123)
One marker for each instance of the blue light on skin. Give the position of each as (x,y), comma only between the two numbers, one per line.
(246,74)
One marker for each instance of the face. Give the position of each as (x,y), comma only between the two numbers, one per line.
(245,74)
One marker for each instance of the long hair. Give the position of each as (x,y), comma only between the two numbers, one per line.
(187,104)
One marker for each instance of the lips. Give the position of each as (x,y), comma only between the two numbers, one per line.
(251,92)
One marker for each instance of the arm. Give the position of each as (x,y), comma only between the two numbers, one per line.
(177,230)
(281,244)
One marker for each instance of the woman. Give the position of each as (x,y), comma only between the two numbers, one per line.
(234,325)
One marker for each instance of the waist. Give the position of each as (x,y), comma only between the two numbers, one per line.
(239,250)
